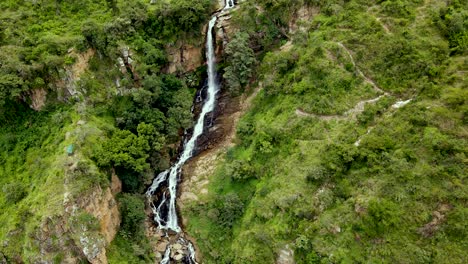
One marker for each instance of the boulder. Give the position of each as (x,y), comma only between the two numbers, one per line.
(177,246)
(161,247)
(178,257)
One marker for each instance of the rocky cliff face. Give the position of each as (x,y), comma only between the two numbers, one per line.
(66,86)
(184,57)
(74,235)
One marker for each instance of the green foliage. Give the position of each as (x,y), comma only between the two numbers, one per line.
(398,8)
(241,59)
(240,170)
(123,250)
(125,149)
(14,192)
(131,244)
(384,187)
(45,45)
(228,209)
(132,209)
(452,21)
(382,216)
(456,225)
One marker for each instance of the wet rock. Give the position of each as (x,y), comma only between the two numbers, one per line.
(158,256)
(161,247)
(177,246)
(178,257)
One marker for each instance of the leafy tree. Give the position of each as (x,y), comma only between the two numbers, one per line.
(241,60)
(125,149)
(240,170)
(10,86)
(132,209)
(230,208)
(154,138)
(453,22)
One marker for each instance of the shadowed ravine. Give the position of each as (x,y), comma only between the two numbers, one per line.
(162,193)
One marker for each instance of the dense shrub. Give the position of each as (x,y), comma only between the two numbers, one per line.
(382,215)
(14,192)
(229,208)
(132,209)
(240,58)
(453,22)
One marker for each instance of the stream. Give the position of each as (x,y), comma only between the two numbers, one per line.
(162,193)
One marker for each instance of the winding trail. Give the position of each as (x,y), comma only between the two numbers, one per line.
(360,73)
(359,107)
(352,113)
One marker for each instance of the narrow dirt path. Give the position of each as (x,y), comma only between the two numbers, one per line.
(384,26)
(366,79)
(359,107)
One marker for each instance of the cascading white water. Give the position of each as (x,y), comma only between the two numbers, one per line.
(165,214)
(167,256)
(172,173)
(229,4)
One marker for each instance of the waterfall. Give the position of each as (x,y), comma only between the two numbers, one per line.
(165,214)
(229,4)
(171,175)
(165,183)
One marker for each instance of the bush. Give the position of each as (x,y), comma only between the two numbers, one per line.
(14,192)
(382,215)
(132,209)
(317,173)
(230,208)
(452,22)
(241,60)
(124,149)
(240,170)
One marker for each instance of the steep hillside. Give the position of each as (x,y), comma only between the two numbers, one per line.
(339,134)
(355,148)
(92,104)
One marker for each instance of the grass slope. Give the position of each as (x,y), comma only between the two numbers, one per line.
(399,196)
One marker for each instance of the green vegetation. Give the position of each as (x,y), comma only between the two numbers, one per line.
(96,70)
(131,244)
(388,186)
(310,171)
(240,58)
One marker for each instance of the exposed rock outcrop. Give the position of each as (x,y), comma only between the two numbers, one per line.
(38,98)
(102,205)
(184,57)
(71,74)
(300,20)
(74,235)
(285,256)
